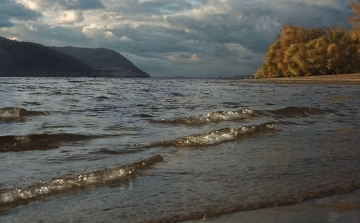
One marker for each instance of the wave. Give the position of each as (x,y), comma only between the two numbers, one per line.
(214,137)
(17,113)
(78,182)
(218,116)
(144,115)
(292,111)
(243,114)
(39,141)
(289,200)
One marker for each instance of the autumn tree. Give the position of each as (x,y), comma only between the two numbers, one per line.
(286,57)
(355,19)
(301,51)
(312,51)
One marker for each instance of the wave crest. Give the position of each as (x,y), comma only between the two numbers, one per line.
(215,137)
(63,185)
(243,114)
(13,113)
(218,116)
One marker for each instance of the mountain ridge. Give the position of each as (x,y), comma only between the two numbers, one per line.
(28,59)
(104,61)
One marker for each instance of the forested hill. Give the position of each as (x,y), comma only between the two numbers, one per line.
(24,59)
(105,62)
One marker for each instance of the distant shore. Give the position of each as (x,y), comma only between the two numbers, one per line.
(352,79)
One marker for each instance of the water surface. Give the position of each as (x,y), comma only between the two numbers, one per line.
(164,150)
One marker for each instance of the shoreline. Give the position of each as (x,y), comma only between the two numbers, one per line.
(341,79)
(335,209)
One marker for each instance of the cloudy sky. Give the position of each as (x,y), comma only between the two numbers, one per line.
(169,37)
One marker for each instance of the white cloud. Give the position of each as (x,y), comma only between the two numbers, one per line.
(55,5)
(194,57)
(13,38)
(112,16)
(34,5)
(94,30)
(70,17)
(126,39)
(30,27)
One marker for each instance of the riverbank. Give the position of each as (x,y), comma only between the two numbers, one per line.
(352,79)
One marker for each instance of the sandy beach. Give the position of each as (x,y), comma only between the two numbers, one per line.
(353,79)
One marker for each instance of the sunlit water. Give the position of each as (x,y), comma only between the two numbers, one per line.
(164,150)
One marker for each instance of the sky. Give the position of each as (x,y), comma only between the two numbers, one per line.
(189,38)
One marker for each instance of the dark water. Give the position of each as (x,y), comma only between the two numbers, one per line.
(162,150)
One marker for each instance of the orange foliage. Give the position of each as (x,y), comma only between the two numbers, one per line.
(303,51)
(312,51)
(355,19)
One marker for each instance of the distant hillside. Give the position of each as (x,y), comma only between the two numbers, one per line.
(105,62)
(25,59)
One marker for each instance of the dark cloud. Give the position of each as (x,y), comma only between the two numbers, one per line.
(255,25)
(60,5)
(80,4)
(300,13)
(12,10)
(145,8)
(5,23)
(163,7)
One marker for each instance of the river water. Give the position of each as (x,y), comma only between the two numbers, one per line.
(171,150)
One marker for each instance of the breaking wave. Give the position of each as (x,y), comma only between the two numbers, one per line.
(214,137)
(218,116)
(16,113)
(63,185)
(39,141)
(243,114)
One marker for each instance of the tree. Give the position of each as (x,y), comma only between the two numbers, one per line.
(312,51)
(355,19)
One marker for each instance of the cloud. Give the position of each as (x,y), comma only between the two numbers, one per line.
(194,57)
(12,10)
(178,37)
(149,7)
(30,27)
(5,23)
(54,5)
(94,31)
(81,4)
(70,17)
(112,16)
(125,39)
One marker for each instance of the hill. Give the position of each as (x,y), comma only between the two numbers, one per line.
(105,62)
(26,59)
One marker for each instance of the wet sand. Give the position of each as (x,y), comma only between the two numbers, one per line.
(335,209)
(353,79)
